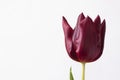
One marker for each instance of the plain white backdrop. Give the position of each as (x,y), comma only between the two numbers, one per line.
(32,40)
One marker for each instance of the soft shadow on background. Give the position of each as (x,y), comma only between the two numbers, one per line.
(32,40)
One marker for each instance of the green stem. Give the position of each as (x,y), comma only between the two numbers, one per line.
(83,71)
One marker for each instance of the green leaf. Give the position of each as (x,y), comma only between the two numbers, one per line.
(71,75)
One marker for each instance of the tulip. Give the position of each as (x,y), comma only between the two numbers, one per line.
(85,42)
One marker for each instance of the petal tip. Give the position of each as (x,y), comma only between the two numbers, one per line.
(97,20)
(66,27)
(81,17)
(104,22)
(98,16)
(103,26)
(88,18)
(63,18)
(82,14)
(64,21)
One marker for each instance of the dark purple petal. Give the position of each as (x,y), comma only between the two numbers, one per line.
(73,54)
(97,20)
(68,31)
(87,48)
(97,23)
(87,20)
(67,28)
(101,44)
(103,30)
(80,18)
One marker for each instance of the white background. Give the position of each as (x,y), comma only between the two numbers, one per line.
(32,40)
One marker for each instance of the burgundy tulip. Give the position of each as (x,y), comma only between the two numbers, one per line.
(85,42)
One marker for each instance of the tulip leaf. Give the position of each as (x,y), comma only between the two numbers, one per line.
(71,75)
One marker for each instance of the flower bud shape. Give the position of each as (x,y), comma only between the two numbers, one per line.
(85,42)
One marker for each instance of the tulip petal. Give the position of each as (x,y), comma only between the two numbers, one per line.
(80,18)
(97,20)
(73,53)
(68,31)
(87,48)
(103,29)
(77,36)
(102,35)
(86,21)
(67,28)
(97,23)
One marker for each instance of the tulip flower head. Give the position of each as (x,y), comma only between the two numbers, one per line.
(85,42)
